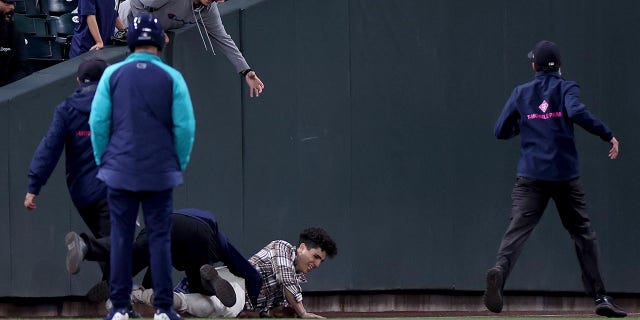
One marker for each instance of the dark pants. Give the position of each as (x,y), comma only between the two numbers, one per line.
(530,198)
(193,244)
(96,217)
(157,208)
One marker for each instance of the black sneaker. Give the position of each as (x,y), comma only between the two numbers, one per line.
(607,308)
(223,289)
(493,294)
(76,249)
(99,292)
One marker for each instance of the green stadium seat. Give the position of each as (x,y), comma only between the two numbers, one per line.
(60,7)
(31,25)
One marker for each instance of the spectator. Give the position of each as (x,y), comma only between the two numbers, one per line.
(13,58)
(98,20)
(174,14)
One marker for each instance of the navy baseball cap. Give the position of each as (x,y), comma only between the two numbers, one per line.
(91,70)
(546,55)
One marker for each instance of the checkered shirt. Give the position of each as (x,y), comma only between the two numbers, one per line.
(276,264)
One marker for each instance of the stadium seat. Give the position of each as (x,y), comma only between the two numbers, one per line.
(60,7)
(33,8)
(64,25)
(20,7)
(63,28)
(31,25)
(38,48)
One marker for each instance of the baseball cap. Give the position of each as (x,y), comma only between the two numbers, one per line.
(546,55)
(90,70)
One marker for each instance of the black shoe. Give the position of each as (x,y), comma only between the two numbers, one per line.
(493,294)
(99,292)
(607,308)
(223,289)
(76,249)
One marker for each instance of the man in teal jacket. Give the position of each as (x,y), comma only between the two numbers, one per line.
(143,129)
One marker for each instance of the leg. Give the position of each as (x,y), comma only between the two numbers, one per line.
(96,217)
(124,209)
(202,306)
(571,204)
(529,200)
(141,255)
(157,207)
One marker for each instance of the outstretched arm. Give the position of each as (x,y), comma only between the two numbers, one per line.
(299,307)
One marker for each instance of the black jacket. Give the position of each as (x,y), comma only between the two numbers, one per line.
(13,58)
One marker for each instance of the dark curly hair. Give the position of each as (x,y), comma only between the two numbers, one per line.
(318,238)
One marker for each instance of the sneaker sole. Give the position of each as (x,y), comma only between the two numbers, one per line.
(224,290)
(493,295)
(74,253)
(609,312)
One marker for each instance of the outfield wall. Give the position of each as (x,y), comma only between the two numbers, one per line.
(376,123)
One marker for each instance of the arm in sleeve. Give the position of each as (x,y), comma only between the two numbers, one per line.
(222,40)
(48,153)
(184,123)
(100,118)
(285,271)
(507,125)
(578,113)
(152,4)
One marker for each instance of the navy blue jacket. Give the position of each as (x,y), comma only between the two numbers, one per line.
(543,111)
(142,125)
(228,254)
(69,130)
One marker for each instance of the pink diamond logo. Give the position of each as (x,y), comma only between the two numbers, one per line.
(544,106)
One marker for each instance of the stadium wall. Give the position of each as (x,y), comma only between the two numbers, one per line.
(376,123)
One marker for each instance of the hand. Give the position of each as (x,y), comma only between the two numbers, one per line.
(255,85)
(613,153)
(97,46)
(29,201)
(312,315)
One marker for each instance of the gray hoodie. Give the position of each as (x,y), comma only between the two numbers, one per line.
(174,14)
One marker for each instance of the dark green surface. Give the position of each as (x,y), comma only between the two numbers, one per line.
(376,123)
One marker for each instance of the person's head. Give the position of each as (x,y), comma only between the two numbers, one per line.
(6,9)
(145,34)
(314,246)
(545,57)
(90,70)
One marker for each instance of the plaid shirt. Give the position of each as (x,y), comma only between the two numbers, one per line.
(276,264)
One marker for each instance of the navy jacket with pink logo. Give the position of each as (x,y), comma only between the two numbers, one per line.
(69,130)
(543,111)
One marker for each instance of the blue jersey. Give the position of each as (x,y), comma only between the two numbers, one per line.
(543,111)
(105,13)
(142,125)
